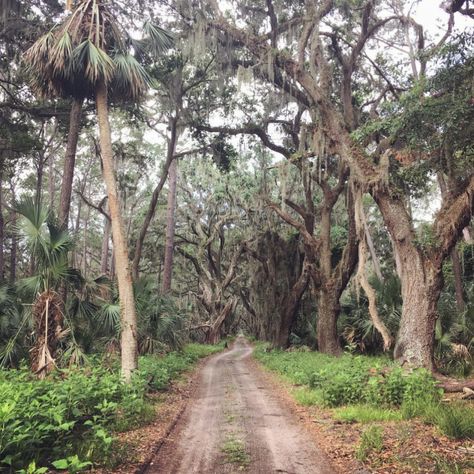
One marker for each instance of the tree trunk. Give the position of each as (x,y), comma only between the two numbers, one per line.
(421,287)
(328,312)
(122,264)
(421,281)
(214,334)
(51,184)
(2,228)
(458,286)
(14,243)
(170,224)
(289,311)
(69,162)
(104,258)
(154,199)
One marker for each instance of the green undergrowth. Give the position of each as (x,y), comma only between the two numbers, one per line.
(367,389)
(366,414)
(68,420)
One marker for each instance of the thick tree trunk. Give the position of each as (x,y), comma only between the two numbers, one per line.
(421,281)
(421,287)
(69,162)
(328,313)
(122,263)
(289,311)
(170,227)
(213,336)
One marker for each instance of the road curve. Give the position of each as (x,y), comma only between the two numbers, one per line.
(234,423)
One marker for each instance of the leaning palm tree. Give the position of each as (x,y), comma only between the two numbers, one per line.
(89,55)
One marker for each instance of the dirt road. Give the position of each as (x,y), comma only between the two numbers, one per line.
(234,423)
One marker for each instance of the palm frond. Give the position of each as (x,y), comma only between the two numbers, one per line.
(94,63)
(156,39)
(109,318)
(130,77)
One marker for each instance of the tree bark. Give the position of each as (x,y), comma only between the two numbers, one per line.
(170,227)
(213,336)
(14,243)
(458,285)
(421,281)
(328,313)
(2,228)
(122,264)
(289,311)
(104,257)
(69,162)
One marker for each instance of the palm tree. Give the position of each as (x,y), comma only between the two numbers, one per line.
(50,246)
(89,55)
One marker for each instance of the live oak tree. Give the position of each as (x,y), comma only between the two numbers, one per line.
(212,244)
(298,48)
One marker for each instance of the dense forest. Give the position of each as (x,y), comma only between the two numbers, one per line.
(183,171)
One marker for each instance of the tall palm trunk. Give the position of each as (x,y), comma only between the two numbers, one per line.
(170,224)
(122,263)
(70,161)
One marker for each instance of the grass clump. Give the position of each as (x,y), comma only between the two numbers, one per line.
(371,441)
(454,420)
(307,396)
(366,414)
(235,452)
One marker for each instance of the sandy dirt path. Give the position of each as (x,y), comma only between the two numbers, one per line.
(235,423)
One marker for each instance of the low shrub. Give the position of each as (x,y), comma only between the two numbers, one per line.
(349,379)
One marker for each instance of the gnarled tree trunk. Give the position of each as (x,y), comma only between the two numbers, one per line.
(421,287)
(213,336)
(421,281)
(289,310)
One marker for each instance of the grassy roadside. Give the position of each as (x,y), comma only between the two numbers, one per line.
(72,420)
(394,421)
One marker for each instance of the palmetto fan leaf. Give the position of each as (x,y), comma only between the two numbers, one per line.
(156,40)
(130,76)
